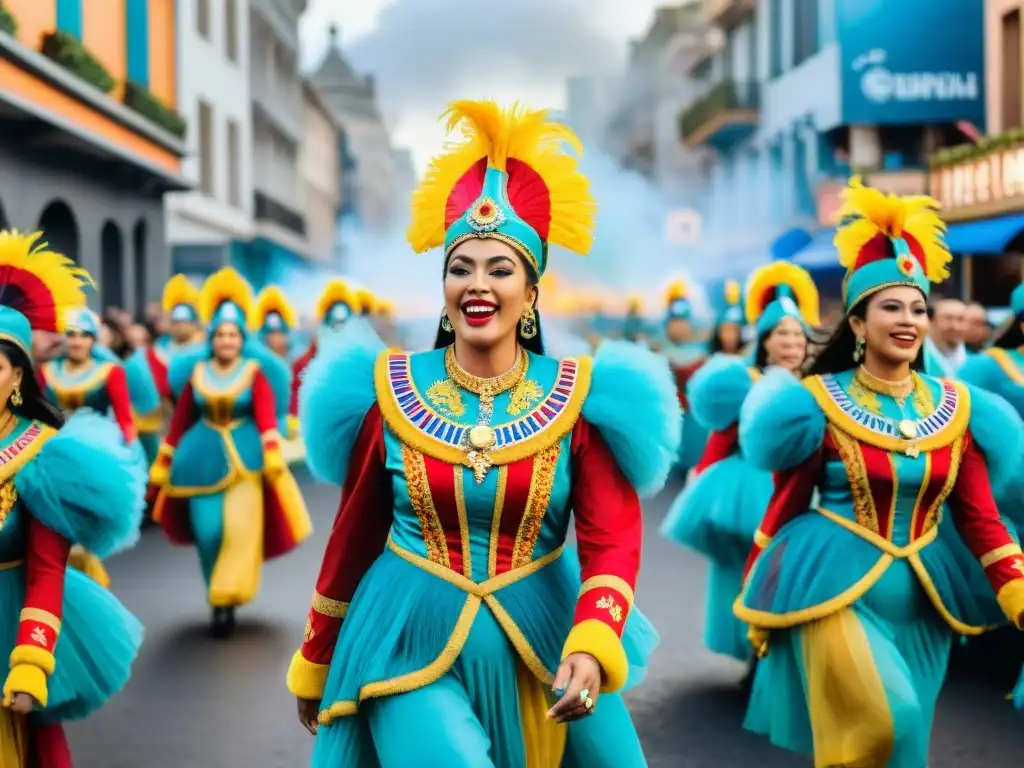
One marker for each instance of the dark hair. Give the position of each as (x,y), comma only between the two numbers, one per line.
(34,404)
(445,338)
(118,339)
(716,340)
(1011,336)
(836,353)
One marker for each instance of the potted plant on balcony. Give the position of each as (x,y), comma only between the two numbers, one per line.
(8,23)
(138,98)
(69,52)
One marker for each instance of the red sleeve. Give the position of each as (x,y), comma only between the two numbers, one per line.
(264,411)
(357,539)
(978,521)
(120,402)
(720,445)
(159,371)
(683,376)
(185,415)
(792,495)
(46,562)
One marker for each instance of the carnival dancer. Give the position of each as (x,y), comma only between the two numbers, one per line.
(853,603)
(88,375)
(720,509)
(70,642)
(633,324)
(224,486)
(367,302)
(439,631)
(337,305)
(276,319)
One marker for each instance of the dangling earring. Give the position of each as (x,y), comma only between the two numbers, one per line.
(858,349)
(529,322)
(446,324)
(16,398)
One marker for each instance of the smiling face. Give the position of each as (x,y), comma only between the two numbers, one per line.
(486,289)
(79,345)
(894,326)
(786,345)
(226,343)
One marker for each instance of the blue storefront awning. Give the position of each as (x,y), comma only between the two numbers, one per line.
(820,255)
(986,237)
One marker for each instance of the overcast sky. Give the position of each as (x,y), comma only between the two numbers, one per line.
(426,53)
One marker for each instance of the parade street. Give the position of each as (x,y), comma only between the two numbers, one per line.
(197,703)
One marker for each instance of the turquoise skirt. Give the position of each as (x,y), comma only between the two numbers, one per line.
(202,459)
(691,449)
(466,713)
(98,643)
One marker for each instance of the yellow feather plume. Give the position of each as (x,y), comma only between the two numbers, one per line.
(868,212)
(272,299)
(634,304)
(782,273)
(732,292)
(497,134)
(384,308)
(179,290)
(65,282)
(335,291)
(367,301)
(676,291)
(225,285)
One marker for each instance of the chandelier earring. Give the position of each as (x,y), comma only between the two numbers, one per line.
(528,324)
(16,398)
(446,324)
(858,349)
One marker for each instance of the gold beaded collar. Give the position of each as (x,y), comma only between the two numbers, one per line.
(480,386)
(898,390)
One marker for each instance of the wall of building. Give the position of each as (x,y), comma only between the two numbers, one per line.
(320,166)
(222,160)
(995,62)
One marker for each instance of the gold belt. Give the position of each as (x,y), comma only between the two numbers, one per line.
(900,553)
(11,564)
(222,427)
(483,588)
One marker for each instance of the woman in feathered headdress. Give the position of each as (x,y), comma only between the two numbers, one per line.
(440,643)
(276,319)
(61,483)
(719,511)
(224,485)
(854,603)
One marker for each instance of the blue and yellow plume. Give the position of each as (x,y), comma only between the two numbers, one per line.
(222,287)
(272,300)
(366,300)
(180,291)
(782,279)
(337,291)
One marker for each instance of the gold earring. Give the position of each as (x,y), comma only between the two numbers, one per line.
(16,398)
(446,324)
(529,322)
(858,349)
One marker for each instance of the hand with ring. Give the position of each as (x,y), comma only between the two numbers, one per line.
(578,682)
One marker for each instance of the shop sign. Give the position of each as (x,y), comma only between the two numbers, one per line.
(982,186)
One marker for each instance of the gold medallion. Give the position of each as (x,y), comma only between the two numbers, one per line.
(908,429)
(481,437)
(912,452)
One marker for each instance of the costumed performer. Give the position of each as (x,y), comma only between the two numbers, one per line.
(448,627)
(69,642)
(853,603)
(224,485)
(276,319)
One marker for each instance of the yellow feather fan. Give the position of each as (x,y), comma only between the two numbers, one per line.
(732,292)
(676,291)
(367,301)
(39,283)
(781,273)
(335,291)
(225,285)
(499,135)
(868,212)
(272,299)
(179,290)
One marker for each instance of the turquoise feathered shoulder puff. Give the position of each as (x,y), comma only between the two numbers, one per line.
(142,389)
(781,424)
(86,485)
(998,431)
(104,354)
(183,362)
(337,390)
(633,402)
(277,373)
(717,390)
(982,371)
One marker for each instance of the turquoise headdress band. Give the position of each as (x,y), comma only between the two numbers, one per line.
(274,323)
(731,315)
(680,309)
(15,328)
(82,320)
(228,312)
(1017,301)
(872,277)
(782,307)
(184,313)
(338,313)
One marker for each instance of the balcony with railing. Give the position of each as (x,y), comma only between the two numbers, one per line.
(270,210)
(727,13)
(724,117)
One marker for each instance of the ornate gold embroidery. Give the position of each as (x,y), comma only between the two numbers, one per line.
(863,502)
(526,393)
(1018,566)
(537,501)
(39,635)
(309,634)
(446,398)
(8,497)
(923,401)
(897,390)
(934,514)
(478,386)
(325,606)
(864,397)
(423,505)
(499,505)
(463,513)
(612,607)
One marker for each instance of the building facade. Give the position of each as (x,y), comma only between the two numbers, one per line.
(91,139)
(321,169)
(803,93)
(205,226)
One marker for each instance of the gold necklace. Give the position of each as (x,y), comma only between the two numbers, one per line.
(899,391)
(478,441)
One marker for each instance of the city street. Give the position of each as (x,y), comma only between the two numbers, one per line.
(193,702)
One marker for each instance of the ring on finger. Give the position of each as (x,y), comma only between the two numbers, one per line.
(589,704)
(584,694)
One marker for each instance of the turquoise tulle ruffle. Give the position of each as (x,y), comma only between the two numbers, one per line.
(717,391)
(201,459)
(98,643)
(691,449)
(781,424)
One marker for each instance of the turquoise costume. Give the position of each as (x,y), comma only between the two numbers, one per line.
(684,359)
(446,600)
(720,509)
(853,600)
